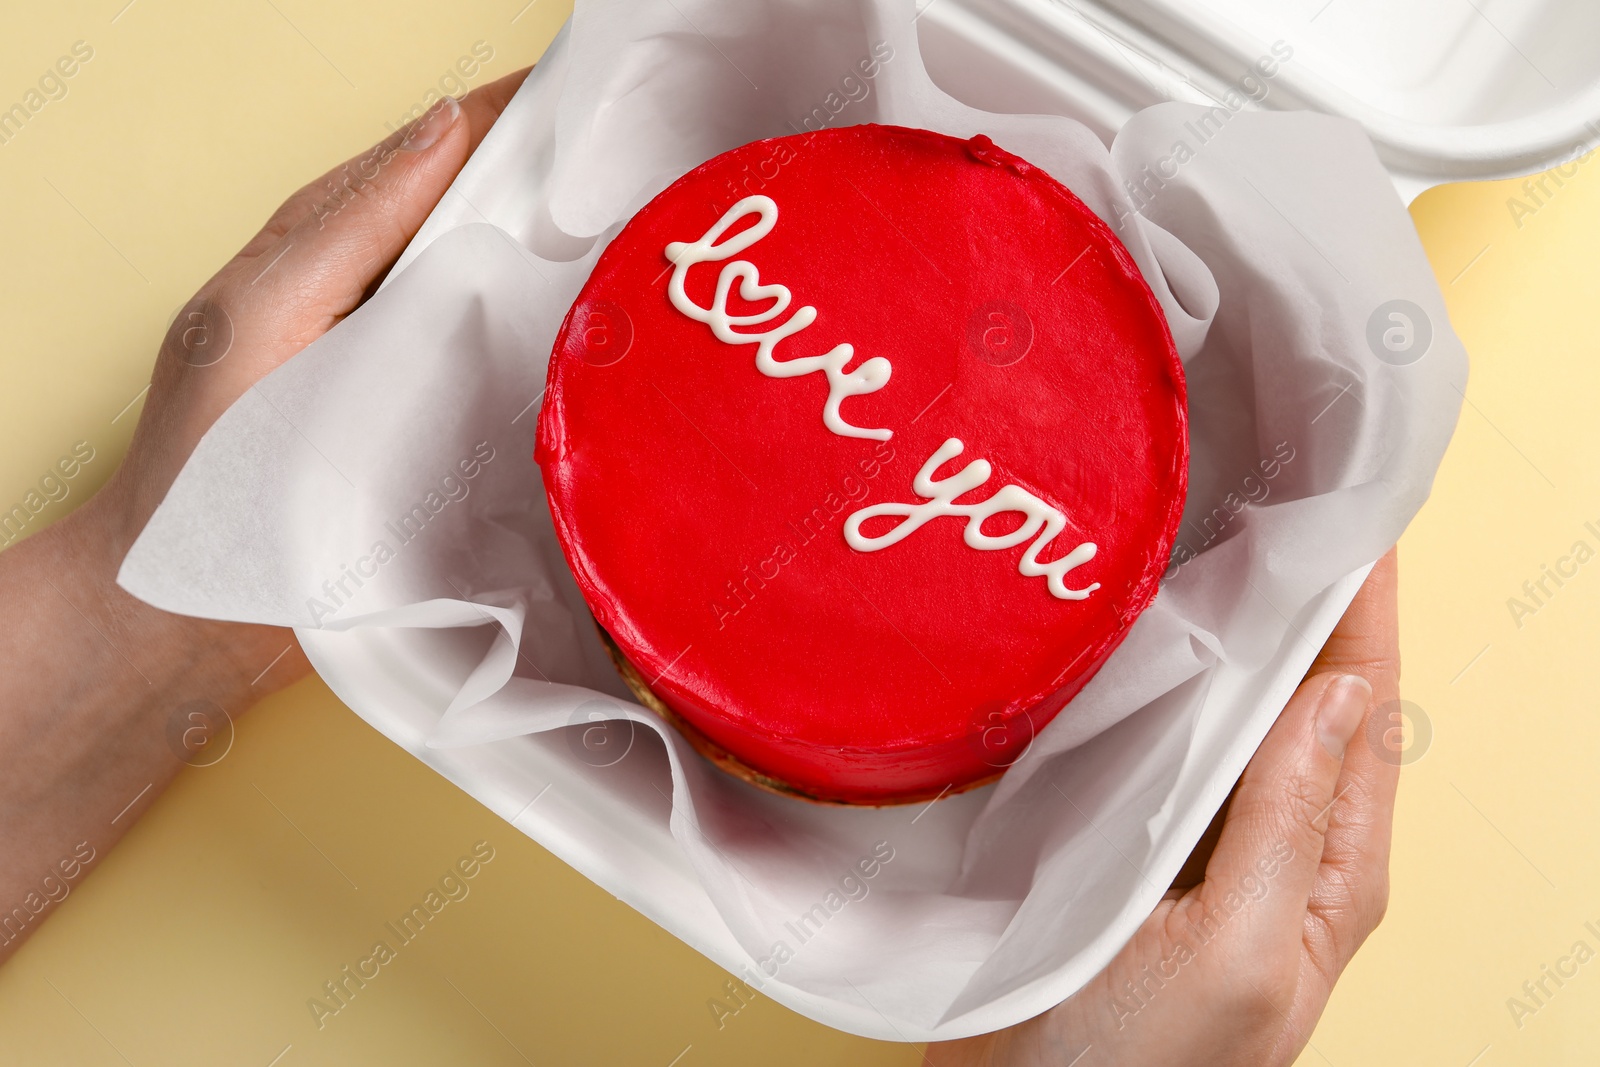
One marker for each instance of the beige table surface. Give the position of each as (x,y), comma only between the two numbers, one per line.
(201,938)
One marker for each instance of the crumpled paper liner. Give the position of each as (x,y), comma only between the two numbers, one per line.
(1275,245)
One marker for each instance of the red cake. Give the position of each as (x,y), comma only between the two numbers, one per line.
(866,448)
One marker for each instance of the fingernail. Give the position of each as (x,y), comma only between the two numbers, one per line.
(1344,703)
(426,131)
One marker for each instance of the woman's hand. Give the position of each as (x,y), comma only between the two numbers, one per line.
(1237,968)
(92,681)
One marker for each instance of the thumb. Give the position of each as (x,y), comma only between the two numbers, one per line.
(340,233)
(322,252)
(311,265)
(1267,859)
(1352,889)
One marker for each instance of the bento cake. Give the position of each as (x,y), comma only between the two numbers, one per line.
(866,448)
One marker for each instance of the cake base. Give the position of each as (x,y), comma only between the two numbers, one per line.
(726,761)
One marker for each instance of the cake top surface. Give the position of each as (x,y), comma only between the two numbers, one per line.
(858,439)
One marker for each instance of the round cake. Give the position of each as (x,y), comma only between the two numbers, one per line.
(866,447)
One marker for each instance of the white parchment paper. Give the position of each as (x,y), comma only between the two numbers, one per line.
(378,492)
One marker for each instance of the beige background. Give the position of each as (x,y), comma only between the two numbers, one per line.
(253,881)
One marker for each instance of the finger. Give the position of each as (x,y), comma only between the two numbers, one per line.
(1366,641)
(307,268)
(1352,888)
(321,253)
(484,104)
(1265,866)
(264,310)
(317,272)
(481,107)
(335,253)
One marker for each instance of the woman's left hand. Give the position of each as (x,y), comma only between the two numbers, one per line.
(92,680)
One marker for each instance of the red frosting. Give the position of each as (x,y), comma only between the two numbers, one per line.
(702,503)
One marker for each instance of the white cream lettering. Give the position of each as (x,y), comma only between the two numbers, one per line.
(1039,519)
(872,375)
